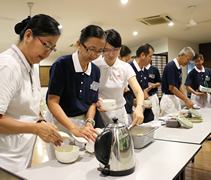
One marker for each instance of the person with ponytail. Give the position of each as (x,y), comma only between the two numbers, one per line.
(115,76)
(20,119)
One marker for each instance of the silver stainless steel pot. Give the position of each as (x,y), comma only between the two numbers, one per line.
(115,151)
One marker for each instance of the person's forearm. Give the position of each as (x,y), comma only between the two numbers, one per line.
(146,95)
(157,85)
(60,115)
(188,88)
(11,126)
(177,93)
(91,112)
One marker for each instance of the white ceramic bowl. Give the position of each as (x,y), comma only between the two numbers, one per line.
(147,103)
(67,153)
(108,104)
(90,145)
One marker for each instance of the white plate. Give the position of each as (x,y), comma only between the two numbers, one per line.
(204,89)
(110,109)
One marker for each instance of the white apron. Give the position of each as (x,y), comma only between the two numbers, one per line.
(155,106)
(202,101)
(169,104)
(78,120)
(21,103)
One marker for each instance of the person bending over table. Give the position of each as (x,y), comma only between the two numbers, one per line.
(73,88)
(172,87)
(20,119)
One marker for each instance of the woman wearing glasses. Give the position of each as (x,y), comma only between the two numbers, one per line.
(73,87)
(20,119)
(115,76)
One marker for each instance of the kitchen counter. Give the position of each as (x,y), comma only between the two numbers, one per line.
(162,159)
(197,134)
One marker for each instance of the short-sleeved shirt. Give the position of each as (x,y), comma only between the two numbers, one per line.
(113,80)
(172,75)
(196,78)
(77,89)
(142,75)
(20,87)
(20,100)
(154,77)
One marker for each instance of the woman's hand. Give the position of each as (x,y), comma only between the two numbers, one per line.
(99,106)
(138,116)
(88,132)
(126,90)
(48,133)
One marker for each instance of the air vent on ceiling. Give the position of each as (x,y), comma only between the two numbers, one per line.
(155,20)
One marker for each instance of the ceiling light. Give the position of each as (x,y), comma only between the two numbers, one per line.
(171,24)
(124,1)
(135,33)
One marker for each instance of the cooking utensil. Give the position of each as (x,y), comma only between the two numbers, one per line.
(115,151)
(195,113)
(185,122)
(142,135)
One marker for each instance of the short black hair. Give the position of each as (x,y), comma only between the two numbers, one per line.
(144,48)
(91,31)
(41,25)
(198,56)
(124,51)
(113,38)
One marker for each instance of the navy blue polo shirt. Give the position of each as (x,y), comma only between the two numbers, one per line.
(154,77)
(77,90)
(171,76)
(196,78)
(141,75)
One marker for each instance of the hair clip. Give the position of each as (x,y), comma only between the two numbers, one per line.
(27,19)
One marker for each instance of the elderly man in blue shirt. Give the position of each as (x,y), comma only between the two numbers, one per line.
(172,87)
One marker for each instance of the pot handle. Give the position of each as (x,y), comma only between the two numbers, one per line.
(103,146)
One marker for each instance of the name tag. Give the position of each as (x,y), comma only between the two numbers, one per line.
(207,78)
(94,86)
(152,76)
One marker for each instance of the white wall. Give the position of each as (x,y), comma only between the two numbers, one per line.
(159,46)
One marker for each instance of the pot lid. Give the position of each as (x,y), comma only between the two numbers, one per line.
(195,113)
(185,122)
(115,124)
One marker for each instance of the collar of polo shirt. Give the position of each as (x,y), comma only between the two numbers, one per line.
(148,66)
(137,66)
(176,63)
(77,65)
(203,70)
